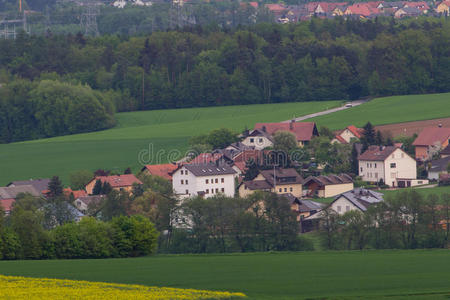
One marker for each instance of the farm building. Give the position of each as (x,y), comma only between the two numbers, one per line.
(327,186)
(430,141)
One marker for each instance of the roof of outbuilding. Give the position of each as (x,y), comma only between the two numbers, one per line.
(280,174)
(440,165)
(11,192)
(119,180)
(329,179)
(431,135)
(257,185)
(39,184)
(209,169)
(362,198)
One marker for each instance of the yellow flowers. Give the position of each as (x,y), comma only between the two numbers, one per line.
(12,287)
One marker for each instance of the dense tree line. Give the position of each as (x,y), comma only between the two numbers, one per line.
(207,66)
(406,221)
(46,108)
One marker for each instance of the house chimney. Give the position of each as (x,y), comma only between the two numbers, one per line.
(291,124)
(264,128)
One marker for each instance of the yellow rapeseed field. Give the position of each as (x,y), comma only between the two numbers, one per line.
(12,287)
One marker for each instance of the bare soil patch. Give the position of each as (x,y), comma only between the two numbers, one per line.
(410,128)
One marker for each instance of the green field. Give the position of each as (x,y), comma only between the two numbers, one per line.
(416,274)
(390,110)
(423,191)
(117,148)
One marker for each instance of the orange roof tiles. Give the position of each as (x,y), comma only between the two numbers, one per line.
(304,131)
(119,180)
(431,135)
(161,170)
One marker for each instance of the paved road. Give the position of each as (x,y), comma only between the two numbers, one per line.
(329,111)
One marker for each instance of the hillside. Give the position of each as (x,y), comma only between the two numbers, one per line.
(308,275)
(390,110)
(117,148)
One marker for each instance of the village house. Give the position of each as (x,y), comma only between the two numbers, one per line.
(207,180)
(8,195)
(327,186)
(438,167)
(303,131)
(407,12)
(358,199)
(430,141)
(161,170)
(350,133)
(443,7)
(278,180)
(84,203)
(258,139)
(302,207)
(445,152)
(390,165)
(118,182)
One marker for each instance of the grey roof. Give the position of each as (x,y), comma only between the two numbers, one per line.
(258,132)
(283,176)
(11,192)
(440,165)
(308,205)
(362,198)
(91,199)
(209,169)
(331,179)
(39,184)
(255,185)
(446,151)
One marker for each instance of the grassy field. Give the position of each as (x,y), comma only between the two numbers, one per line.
(117,148)
(390,110)
(423,191)
(418,274)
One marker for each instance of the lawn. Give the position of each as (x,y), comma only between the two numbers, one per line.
(394,274)
(390,110)
(439,191)
(160,132)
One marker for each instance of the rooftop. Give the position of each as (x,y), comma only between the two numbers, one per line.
(429,136)
(208,169)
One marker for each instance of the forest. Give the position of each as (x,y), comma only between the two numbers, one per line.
(209,66)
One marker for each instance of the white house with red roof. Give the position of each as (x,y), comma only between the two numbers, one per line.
(345,136)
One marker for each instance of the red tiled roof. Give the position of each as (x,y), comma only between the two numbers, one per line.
(254,4)
(377,153)
(244,156)
(7,204)
(430,135)
(362,9)
(68,191)
(119,180)
(304,131)
(276,7)
(421,5)
(161,170)
(340,139)
(356,131)
(241,166)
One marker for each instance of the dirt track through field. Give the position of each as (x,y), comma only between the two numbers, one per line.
(409,128)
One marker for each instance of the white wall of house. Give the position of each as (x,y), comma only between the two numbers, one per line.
(342,205)
(405,167)
(371,171)
(398,165)
(347,135)
(188,185)
(259,142)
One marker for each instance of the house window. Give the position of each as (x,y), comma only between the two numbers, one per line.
(260,141)
(212,191)
(182,181)
(206,181)
(252,140)
(339,208)
(186,172)
(182,172)
(361,169)
(186,181)
(285,190)
(222,180)
(393,165)
(375,165)
(207,191)
(223,190)
(217,190)
(291,189)
(217,180)
(187,191)
(347,208)
(280,190)
(367,164)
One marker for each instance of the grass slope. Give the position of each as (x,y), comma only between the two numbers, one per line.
(117,148)
(390,110)
(419,274)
